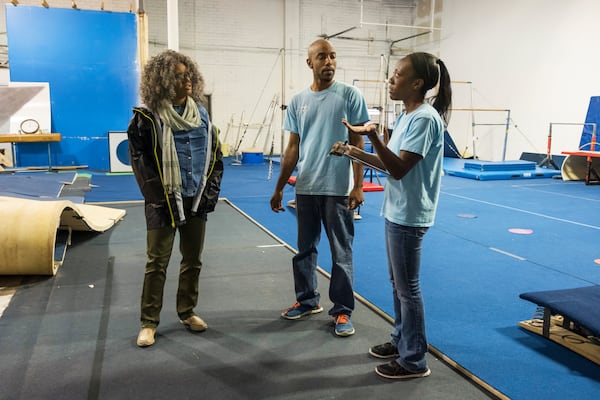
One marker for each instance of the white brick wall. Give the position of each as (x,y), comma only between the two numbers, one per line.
(237,46)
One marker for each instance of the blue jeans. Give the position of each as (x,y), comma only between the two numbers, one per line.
(403,244)
(338,221)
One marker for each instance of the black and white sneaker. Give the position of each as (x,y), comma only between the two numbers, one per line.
(393,370)
(386,350)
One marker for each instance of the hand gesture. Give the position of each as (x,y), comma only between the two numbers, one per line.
(360,129)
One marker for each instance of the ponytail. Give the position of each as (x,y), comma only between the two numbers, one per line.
(433,71)
(443,99)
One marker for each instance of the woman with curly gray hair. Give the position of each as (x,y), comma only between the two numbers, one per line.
(160,79)
(177,161)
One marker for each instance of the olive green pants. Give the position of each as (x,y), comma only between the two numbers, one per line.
(159,247)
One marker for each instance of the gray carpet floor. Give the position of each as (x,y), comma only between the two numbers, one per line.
(73,336)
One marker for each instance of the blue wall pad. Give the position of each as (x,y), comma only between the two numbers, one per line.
(450,149)
(90,60)
(593,116)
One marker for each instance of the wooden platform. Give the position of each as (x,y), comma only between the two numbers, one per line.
(32,138)
(565,337)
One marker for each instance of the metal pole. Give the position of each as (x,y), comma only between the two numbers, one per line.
(506,134)
(173,25)
(282,144)
(472,120)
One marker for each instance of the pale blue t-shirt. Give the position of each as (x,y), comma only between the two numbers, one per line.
(412,200)
(317,118)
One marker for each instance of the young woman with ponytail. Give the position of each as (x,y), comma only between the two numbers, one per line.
(413,157)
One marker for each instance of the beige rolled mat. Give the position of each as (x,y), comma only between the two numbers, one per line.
(29,228)
(574,167)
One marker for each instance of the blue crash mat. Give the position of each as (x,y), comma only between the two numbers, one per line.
(516,165)
(580,305)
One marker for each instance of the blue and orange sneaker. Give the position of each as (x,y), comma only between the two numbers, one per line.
(343,325)
(298,311)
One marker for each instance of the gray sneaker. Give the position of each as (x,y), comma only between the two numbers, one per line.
(386,350)
(393,370)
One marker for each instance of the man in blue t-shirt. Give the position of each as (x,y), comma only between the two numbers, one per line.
(328,189)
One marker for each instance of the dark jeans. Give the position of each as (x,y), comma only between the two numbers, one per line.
(338,221)
(159,247)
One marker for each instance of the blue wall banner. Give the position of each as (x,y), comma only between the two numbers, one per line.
(592,117)
(90,60)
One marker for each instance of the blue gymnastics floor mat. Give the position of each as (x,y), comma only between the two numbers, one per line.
(473,270)
(35,185)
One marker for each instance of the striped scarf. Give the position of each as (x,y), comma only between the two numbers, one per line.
(174,122)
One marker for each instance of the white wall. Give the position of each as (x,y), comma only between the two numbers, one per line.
(538,58)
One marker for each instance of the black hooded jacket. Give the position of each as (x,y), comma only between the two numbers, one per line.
(145,153)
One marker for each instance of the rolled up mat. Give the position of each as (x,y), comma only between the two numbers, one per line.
(29,230)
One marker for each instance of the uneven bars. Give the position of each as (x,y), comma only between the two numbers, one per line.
(369,80)
(507,125)
(593,141)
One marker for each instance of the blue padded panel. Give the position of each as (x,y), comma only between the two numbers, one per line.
(90,60)
(450,149)
(581,305)
(593,116)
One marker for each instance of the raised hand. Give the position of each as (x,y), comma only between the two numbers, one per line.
(360,129)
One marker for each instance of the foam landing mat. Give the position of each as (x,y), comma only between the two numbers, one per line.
(516,165)
(496,170)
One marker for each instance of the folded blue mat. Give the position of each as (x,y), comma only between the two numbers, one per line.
(580,305)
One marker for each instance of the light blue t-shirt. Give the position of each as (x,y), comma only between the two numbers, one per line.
(317,118)
(412,200)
